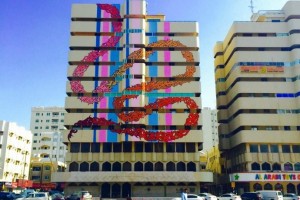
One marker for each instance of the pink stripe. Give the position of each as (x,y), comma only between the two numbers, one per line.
(102,134)
(167,71)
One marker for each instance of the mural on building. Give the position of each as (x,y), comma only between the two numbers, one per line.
(132,92)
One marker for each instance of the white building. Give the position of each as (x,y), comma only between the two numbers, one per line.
(46,126)
(209,128)
(15,150)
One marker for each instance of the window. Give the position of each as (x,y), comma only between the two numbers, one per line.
(107,147)
(255,166)
(36,120)
(286,149)
(297,166)
(170,147)
(37,114)
(95,147)
(159,147)
(149,147)
(274,148)
(180,147)
(296,148)
(288,166)
(36,168)
(35,134)
(74,147)
(266,166)
(138,146)
(276,166)
(85,147)
(127,146)
(117,147)
(47,167)
(264,148)
(253,148)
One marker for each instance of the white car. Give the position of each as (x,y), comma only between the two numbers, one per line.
(36,196)
(290,196)
(191,197)
(229,196)
(208,196)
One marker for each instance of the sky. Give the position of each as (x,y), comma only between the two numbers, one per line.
(34,45)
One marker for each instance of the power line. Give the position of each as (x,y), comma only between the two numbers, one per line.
(251,6)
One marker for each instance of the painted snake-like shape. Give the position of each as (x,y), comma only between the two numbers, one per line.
(118,103)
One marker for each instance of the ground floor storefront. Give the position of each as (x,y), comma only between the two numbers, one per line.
(248,182)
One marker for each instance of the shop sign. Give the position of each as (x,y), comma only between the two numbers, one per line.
(273,176)
(261,69)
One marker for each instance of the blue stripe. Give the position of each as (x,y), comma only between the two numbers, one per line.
(98,25)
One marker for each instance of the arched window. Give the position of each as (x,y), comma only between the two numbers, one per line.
(278,187)
(73,167)
(116,166)
(257,186)
(127,166)
(84,167)
(297,166)
(291,188)
(288,166)
(298,189)
(191,167)
(159,166)
(116,191)
(106,167)
(266,166)
(255,166)
(138,167)
(149,166)
(268,186)
(126,190)
(94,167)
(170,166)
(181,166)
(105,190)
(276,166)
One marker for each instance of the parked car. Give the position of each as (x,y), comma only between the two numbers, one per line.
(191,197)
(6,195)
(271,194)
(36,196)
(229,196)
(208,196)
(57,196)
(82,195)
(251,196)
(291,196)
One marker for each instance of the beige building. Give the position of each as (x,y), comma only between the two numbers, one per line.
(257,72)
(15,150)
(134,124)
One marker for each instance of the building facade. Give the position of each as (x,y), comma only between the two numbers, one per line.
(14,154)
(46,125)
(133,104)
(257,71)
(210,128)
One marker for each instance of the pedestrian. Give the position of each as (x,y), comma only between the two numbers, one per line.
(184,194)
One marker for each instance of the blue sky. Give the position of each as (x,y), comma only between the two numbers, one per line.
(34,39)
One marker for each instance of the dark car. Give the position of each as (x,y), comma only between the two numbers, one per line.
(6,195)
(251,196)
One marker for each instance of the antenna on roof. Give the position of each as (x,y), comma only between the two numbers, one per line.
(251,6)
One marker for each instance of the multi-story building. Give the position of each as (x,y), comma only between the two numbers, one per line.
(210,128)
(257,72)
(133,103)
(46,126)
(15,150)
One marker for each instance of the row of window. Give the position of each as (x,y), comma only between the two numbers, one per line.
(276,166)
(48,120)
(136,147)
(131,92)
(49,114)
(290,188)
(127,166)
(274,148)
(47,127)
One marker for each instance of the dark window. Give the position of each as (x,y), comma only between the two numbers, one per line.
(117,147)
(274,148)
(116,166)
(297,166)
(95,147)
(253,148)
(94,167)
(288,166)
(149,147)
(75,147)
(286,149)
(268,186)
(190,147)
(138,166)
(287,128)
(107,147)
(266,166)
(159,147)
(84,167)
(170,147)
(127,166)
(181,166)
(116,191)
(180,147)
(276,166)
(159,166)
(255,166)
(170,166)
(191,167)
(85,147)
(138,146)
(149,166)
(106,167)
(73,167)
(127,146)
(264,148)
(296,148)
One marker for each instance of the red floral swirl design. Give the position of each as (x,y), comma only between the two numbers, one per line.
(105,86)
